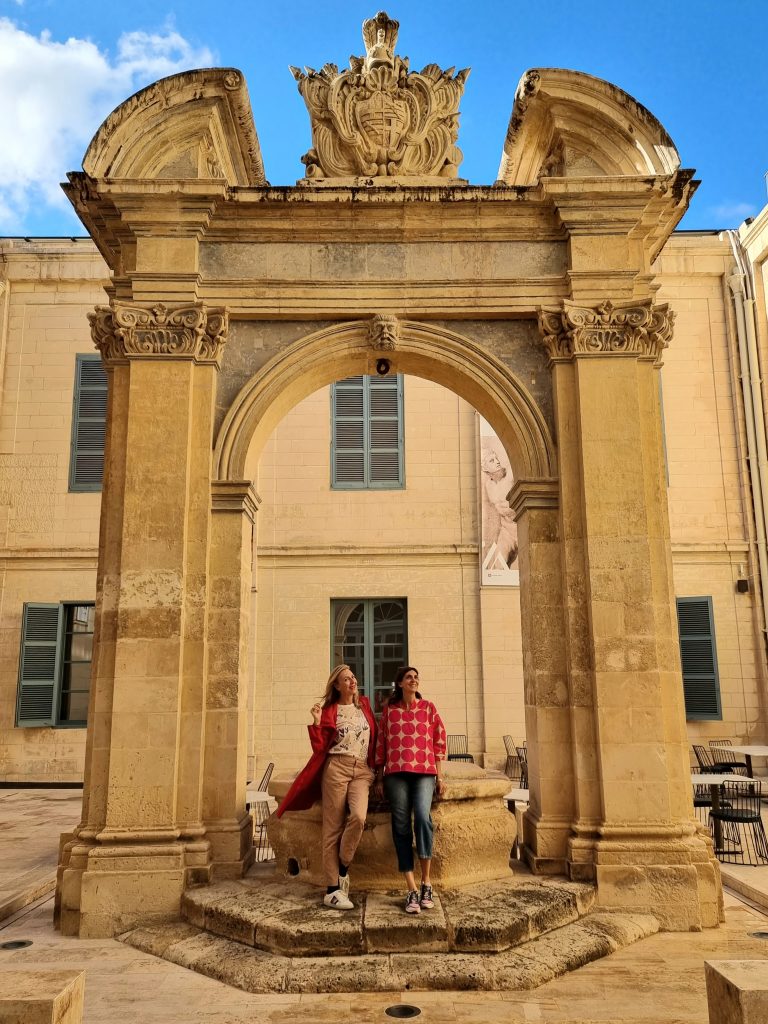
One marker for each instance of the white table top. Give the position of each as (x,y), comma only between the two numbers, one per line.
(516,794)
(254,796)
(716,780)
(755,750)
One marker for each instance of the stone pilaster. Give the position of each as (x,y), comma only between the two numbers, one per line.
(142,838)
(634,832)
(547,826)
(228,826)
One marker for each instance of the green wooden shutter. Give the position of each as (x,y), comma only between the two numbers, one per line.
(89,418)
(701,684)
(39,664)
(385,432)
(367,433)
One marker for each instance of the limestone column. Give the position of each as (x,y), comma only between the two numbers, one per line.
(548,820)
(142,838)
(634,832)
(228,827)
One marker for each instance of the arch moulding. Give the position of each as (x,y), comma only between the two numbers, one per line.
(422,349)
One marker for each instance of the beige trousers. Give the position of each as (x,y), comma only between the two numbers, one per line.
(346,782)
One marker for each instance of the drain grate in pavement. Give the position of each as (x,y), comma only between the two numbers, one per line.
(759,935)
(402,1011)
(16,944)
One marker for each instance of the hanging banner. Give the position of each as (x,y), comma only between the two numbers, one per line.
(498,530)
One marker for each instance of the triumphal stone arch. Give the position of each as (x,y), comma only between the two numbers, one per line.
(231,300)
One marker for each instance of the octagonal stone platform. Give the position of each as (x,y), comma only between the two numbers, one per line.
(262,934)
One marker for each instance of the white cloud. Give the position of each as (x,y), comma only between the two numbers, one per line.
(734,213)
(53,97)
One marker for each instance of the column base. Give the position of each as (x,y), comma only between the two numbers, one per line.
(545,843)
(232,851)
(105,888)
(670,872)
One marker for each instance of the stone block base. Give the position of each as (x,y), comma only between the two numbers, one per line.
(737,991)
(474,833)
(42,997)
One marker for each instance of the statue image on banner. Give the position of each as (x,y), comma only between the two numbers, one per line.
(498,532)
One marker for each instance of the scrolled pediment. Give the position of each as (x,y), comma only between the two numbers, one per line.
(194,125)
(569,124)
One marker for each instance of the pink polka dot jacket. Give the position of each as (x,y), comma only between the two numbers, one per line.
(410,739)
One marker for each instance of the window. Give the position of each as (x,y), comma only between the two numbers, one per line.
(55,665)
(371,636)
(701,684)
(367,433)
(89,418)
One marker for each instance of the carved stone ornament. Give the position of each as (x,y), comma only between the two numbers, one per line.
(121,332)
(378,118)
(632,328)
(384,332)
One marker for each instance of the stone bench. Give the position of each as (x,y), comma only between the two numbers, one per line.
(737,991)
(474,833)
(41,997)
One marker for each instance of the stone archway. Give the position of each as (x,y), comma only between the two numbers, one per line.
(173,193)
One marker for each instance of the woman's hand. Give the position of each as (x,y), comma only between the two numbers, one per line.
(440,785)
(316,711)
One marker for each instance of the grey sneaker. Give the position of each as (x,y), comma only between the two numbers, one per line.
(425,900)
(344,884)
(412,903)
(338,901)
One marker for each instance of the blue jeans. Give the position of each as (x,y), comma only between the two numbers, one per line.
(410,794)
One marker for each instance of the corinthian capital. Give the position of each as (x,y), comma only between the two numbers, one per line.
(640,329)
(122,332)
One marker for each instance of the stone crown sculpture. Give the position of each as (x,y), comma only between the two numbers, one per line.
(378,119)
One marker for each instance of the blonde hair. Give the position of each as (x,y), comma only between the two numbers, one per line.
(331,694)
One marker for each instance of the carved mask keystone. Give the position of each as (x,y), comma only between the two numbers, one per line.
(384,332)
(378,119)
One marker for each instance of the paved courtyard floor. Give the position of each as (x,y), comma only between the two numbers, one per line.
(657,981)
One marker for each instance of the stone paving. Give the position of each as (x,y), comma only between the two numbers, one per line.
(657,981)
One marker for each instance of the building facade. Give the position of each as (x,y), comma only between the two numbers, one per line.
(369,564)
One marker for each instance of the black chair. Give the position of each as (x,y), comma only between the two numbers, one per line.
(727,757)
(262,786)
(512,766)
(457,749)
(738,833)
(522,754)
(707,765)
(261,813)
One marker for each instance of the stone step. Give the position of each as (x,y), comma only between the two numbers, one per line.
(289,918)
(526,966)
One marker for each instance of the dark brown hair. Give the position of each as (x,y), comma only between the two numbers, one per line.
(399,676)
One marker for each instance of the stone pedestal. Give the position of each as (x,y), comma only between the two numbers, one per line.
(737,991)
(42,997)
(474,833)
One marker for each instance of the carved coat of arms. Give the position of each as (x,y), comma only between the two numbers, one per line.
(378,118)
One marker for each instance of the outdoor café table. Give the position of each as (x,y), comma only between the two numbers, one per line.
(749,751)
(714,782)
(511,798)
(255,796)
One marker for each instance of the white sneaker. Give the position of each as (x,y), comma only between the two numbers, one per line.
(344,884)
(338,901)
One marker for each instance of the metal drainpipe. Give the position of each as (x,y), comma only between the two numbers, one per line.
(753,409)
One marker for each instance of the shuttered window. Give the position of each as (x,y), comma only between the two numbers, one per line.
(55,665)
(701,684)
(89,416)
(367,433)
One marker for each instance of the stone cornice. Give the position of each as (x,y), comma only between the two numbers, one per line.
(121,332)
(534,494)
(639,329)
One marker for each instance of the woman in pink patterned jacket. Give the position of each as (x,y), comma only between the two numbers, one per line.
(410,751)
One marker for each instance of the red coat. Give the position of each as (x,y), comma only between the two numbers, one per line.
(306,788)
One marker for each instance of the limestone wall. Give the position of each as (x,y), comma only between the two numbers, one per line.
(48,536)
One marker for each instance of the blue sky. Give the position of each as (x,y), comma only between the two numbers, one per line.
(699,67)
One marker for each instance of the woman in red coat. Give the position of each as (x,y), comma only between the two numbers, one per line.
(340,772)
